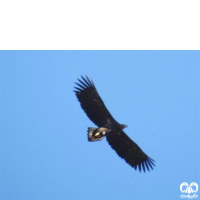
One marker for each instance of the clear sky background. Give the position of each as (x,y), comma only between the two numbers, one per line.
(43,130)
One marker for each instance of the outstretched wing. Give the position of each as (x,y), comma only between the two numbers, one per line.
(92,103)
(129,150)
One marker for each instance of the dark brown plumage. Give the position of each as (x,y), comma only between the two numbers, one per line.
(95,109)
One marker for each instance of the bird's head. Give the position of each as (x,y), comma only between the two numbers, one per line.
(122,126)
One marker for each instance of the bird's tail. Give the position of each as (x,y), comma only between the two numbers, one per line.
(96,134)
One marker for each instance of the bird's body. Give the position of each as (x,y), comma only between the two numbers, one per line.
(108,127)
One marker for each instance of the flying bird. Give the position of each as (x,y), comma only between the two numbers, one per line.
(108,127)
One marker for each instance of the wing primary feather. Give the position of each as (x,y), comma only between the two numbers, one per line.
(147,165)
(150,160)
(79,89)
(86,86)
(92,83)
(135,167)
(81,86)
(88,83)
(143,166)
(139,165)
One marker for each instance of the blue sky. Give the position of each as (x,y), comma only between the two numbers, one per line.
(43,130)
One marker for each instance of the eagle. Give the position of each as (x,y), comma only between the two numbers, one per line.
(108,127)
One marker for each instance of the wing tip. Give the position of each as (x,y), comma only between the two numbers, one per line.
(148,164)
(84,83)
